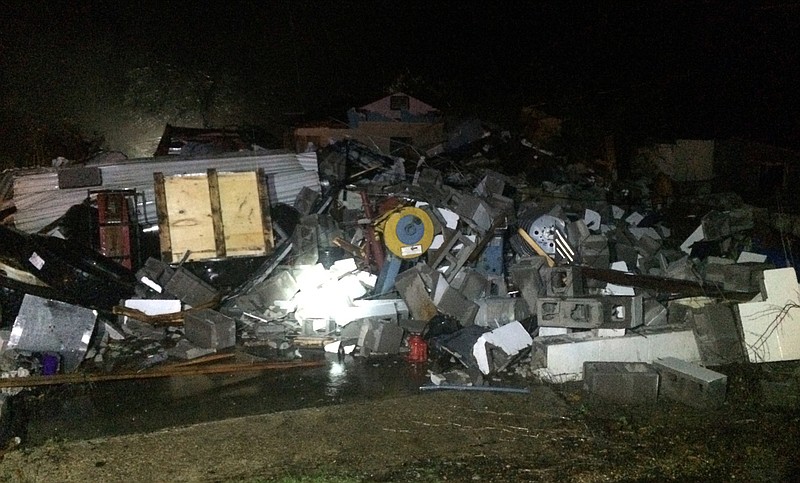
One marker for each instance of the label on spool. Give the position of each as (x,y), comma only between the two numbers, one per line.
(411,250)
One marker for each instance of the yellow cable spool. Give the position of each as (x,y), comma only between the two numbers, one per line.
(408,232)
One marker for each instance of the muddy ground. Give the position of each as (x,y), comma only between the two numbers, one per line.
(556,433)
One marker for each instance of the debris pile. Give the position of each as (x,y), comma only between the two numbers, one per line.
(480,266)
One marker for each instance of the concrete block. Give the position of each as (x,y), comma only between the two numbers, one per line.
(472,284)
(595,253)
(717,335)
(614,289)
(575,313)
(745,257)
(682,269)
(697,235)
(210,329)
(621,382)
(412,289)
(627,253)
(474,211)
(509,339)
(496,311)
(550,331)
(189,288)
(564,281)
(592,219)
(735,277)
(560,358)
(526,277)
(154,306)
(383,309)
(380,337)
(186,350)
(451,302)
(647,245)
(655,314)
(771,323)
(492,183)
(716,225)
(44,325)
(601,332)
(691,384)
(621,312)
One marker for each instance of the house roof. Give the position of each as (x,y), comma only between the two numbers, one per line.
(384,105)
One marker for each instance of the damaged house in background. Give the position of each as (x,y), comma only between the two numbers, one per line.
(471,262)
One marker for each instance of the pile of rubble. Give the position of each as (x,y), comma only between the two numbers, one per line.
(452,262)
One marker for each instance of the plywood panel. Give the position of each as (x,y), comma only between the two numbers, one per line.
(241,214)
(189,212)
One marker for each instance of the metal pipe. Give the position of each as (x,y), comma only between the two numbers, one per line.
(455,387)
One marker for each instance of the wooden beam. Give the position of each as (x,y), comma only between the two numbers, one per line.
(266,217)
(165,241)
(32,381)
(216,212)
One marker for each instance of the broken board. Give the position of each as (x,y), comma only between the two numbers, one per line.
(213,215)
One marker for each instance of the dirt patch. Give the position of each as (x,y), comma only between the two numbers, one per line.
(552,434)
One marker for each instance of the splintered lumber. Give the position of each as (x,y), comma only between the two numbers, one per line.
(168,371)
(200,360)
(173,319)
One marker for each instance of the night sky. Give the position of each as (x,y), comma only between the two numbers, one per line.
(663,69)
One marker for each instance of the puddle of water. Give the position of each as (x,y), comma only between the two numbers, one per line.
(124,407)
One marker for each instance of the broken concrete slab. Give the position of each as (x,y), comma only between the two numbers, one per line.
(493,350)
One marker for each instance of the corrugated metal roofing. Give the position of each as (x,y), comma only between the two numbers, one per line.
(39,200)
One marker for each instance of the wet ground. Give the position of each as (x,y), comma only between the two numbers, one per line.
(84,411)
(553,434)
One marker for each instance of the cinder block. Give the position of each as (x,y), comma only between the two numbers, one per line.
(717,335)
(562,281)
(210,329)
(451,302)
(413,291)
(655,314)
(190,288)
(595,253)
(496,311)
(526,277)
(736,277)
(622,312)
(691,384)
(621,382)
(576,313)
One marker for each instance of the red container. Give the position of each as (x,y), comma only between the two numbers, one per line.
(418,349)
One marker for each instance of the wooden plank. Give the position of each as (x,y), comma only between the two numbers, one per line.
(165,241)
(266,217)
(78,378)
(241,212)
(189,210)
(216,212)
